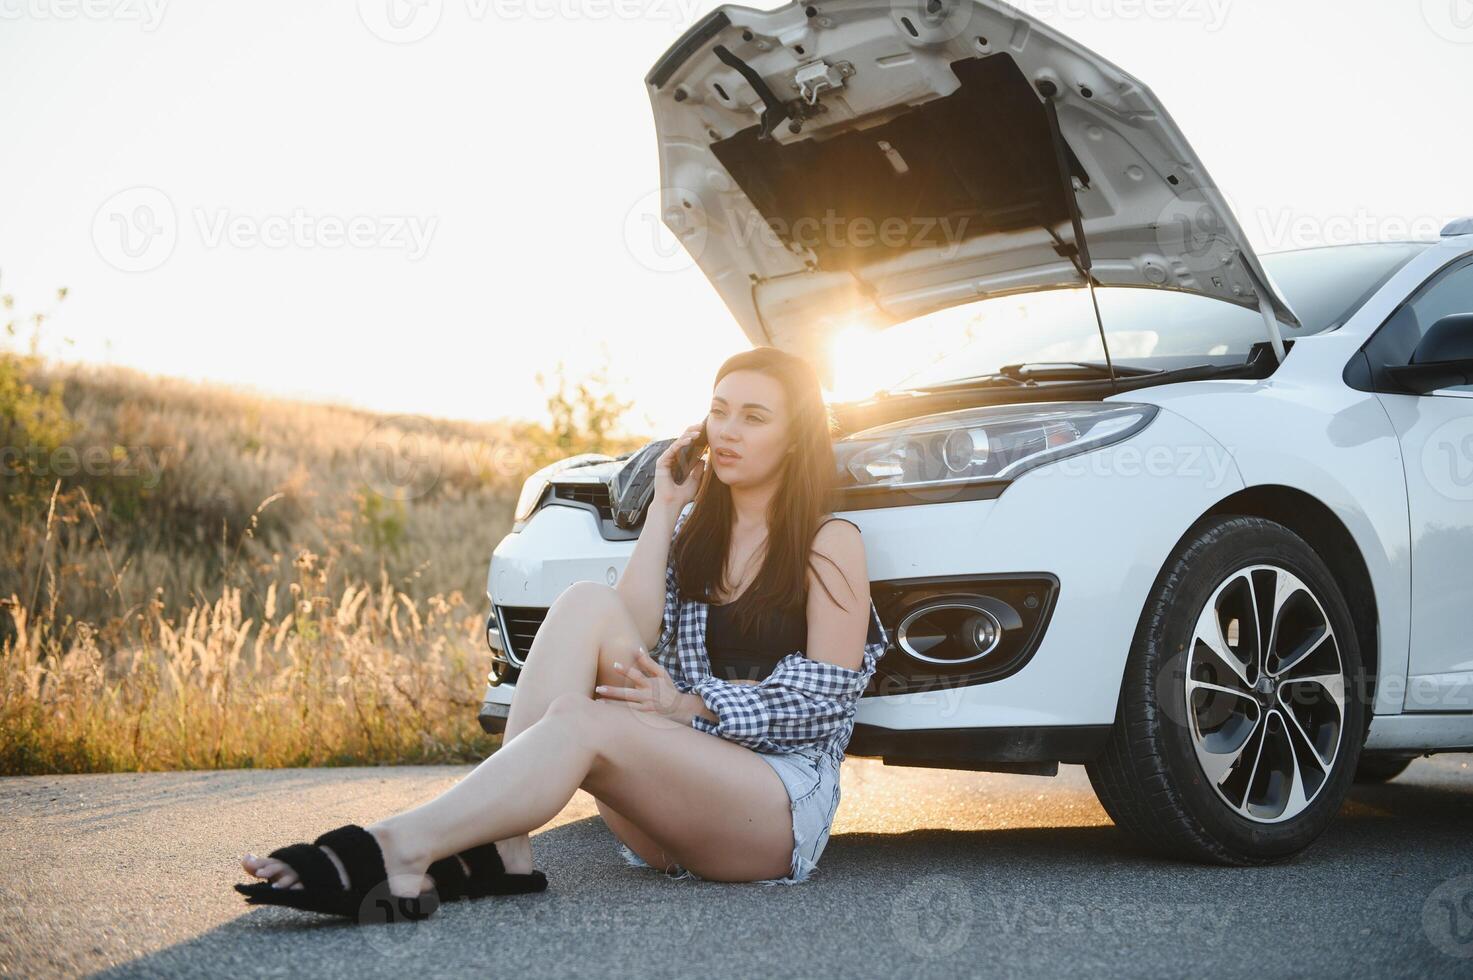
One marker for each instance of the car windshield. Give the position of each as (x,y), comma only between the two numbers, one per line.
(1146,328)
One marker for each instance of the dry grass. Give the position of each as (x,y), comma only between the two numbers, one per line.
(365,679)
(206,486)
(281,591)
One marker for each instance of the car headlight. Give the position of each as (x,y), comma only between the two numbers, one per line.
(995,442)
(631,489)
(536,484)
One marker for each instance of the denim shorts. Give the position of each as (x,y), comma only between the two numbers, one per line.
(812,780)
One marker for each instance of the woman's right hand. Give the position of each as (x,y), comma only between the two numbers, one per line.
(667,492)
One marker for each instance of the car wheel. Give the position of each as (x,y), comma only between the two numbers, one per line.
(1241,712)
(1378,768)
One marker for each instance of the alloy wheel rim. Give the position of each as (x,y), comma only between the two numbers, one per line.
(1265,693)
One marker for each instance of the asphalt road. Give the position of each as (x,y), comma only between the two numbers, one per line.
(928,873)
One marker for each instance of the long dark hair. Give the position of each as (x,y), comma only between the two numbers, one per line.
(805,491)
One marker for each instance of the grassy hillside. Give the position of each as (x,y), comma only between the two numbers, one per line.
(195,576)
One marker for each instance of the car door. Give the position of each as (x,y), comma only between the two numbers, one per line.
(1436,434)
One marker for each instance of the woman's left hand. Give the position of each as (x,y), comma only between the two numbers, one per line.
(652,690)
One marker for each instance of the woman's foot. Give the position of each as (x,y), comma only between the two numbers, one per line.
(400,863)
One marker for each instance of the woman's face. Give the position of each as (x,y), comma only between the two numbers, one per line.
(749,417)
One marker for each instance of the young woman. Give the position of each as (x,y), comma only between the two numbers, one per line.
(718,756)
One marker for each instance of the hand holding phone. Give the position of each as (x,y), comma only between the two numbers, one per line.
(686,456)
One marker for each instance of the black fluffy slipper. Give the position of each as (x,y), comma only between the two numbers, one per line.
(367,897)
(489,875)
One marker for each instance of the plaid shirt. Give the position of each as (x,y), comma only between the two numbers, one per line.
(803,704)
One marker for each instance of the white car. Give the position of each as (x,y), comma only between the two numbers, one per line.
(1205,526)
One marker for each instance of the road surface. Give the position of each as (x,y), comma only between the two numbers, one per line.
(928,873)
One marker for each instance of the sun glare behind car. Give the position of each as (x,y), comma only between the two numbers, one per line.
(1324,285)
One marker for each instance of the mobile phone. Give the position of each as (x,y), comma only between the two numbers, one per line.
(686,456)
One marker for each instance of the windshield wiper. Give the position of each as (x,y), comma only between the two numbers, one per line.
(1032,372)
(1069,370)
(1029,375)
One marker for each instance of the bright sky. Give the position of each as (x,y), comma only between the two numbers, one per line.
(415,205)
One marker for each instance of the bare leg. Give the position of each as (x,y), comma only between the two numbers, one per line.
(709,803)
(713,805)
(586,630)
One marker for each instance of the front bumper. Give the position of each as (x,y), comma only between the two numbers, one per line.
(1034,750)
(1100,529)
(496,707)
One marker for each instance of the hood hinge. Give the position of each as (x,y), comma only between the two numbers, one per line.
(1267,309)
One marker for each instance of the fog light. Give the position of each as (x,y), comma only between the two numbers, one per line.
(956,632)
(981,634)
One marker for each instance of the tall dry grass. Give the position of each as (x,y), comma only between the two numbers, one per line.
(206,486)
(285,588)
(365,677)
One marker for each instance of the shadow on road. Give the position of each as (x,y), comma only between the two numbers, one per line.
(1039,899)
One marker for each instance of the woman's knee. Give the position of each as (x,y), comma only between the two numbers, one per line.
(609,728)
(586,594)
(569,706)
(599,600)
(572,713)
(620,640)
(594,719)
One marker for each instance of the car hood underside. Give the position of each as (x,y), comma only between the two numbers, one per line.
(874,162)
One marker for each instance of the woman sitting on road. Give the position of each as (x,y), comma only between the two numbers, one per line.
(593,710)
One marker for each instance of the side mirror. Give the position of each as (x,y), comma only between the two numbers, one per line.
(1443,358)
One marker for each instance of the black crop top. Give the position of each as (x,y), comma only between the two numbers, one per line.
(752,655)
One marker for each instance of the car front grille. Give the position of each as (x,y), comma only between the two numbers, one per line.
(594,494)
(521,624)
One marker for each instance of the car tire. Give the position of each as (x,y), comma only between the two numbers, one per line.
(1153,776)
(1379,768)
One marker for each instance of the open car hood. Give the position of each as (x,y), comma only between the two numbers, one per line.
(874,162)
